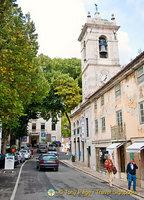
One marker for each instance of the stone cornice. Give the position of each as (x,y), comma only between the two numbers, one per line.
(99,26)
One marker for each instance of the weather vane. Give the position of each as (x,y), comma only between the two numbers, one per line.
(96,7)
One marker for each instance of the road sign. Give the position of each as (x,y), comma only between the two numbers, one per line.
(43,134)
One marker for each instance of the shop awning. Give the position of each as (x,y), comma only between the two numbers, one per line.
(113,146)
(135,147)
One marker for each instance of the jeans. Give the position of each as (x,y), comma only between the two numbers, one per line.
(130,179)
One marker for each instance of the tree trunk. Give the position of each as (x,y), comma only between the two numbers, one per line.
(68,118)
(5,139)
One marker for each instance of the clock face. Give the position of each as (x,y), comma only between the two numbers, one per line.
(104,75)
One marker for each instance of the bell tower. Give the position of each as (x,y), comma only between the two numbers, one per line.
(99,52)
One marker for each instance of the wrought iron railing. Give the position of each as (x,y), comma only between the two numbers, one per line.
(118,132)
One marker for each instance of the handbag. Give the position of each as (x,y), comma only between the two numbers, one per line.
(114,170)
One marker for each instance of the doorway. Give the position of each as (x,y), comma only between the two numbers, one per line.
(122,158)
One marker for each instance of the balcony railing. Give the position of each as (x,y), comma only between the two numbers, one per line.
(118,132)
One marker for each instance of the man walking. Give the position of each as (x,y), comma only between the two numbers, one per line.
(109,166)
(131,170)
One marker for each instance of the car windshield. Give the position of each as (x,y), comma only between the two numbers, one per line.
(49,157)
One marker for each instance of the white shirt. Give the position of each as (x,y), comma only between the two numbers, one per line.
(132,166)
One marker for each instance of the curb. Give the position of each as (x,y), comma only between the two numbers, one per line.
(117,186)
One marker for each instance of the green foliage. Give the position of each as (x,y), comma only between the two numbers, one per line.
(64,77)
(65,127)
(22,81)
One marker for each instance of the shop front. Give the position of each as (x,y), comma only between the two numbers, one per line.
(136,152)
(117,152)
(34,140)
(101,155)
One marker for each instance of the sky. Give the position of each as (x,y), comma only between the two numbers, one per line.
(59,22)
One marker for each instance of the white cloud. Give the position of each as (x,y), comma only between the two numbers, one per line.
(123,41)
(124,48)
(58,24)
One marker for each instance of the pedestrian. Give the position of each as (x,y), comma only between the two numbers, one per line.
(109,166)
(32,152)
(131,170)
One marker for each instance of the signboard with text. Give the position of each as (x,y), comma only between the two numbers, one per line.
(9,162)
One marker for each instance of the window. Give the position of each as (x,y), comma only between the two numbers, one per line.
(53,127)
(117,90)
(74,131)
(140,74)
(84,50)
(96,126)
(42,126)
(77,130)
(102,100)
(103,124)
(95,103)
(119,118)
(141,107)
(87,127)
(33,126)
(103,47)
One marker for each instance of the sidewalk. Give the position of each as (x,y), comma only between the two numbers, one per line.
(119,183)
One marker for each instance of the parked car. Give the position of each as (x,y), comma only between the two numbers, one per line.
(47,161)
(24,147)
(16,161)
(2,160)
(26,153)
(52,147)
(42,149)
(21,157)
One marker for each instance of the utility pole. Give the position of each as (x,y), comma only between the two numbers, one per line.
(0,134)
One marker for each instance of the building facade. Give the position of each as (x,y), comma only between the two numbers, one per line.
(110,118)
(40,130)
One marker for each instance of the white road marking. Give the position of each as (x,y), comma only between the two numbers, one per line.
(17,182)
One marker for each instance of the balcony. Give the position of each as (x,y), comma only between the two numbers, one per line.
(118,132)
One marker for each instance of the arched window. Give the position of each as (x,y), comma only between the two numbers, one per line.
(103,47)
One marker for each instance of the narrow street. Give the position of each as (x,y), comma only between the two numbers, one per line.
(68,184)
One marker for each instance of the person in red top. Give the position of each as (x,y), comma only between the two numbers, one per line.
(109,166)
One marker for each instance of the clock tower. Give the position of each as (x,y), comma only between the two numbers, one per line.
(99,52)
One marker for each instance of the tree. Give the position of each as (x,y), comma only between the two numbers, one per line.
(65,95)
(64,76)
(21,79)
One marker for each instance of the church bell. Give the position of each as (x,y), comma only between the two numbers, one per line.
(103,45)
